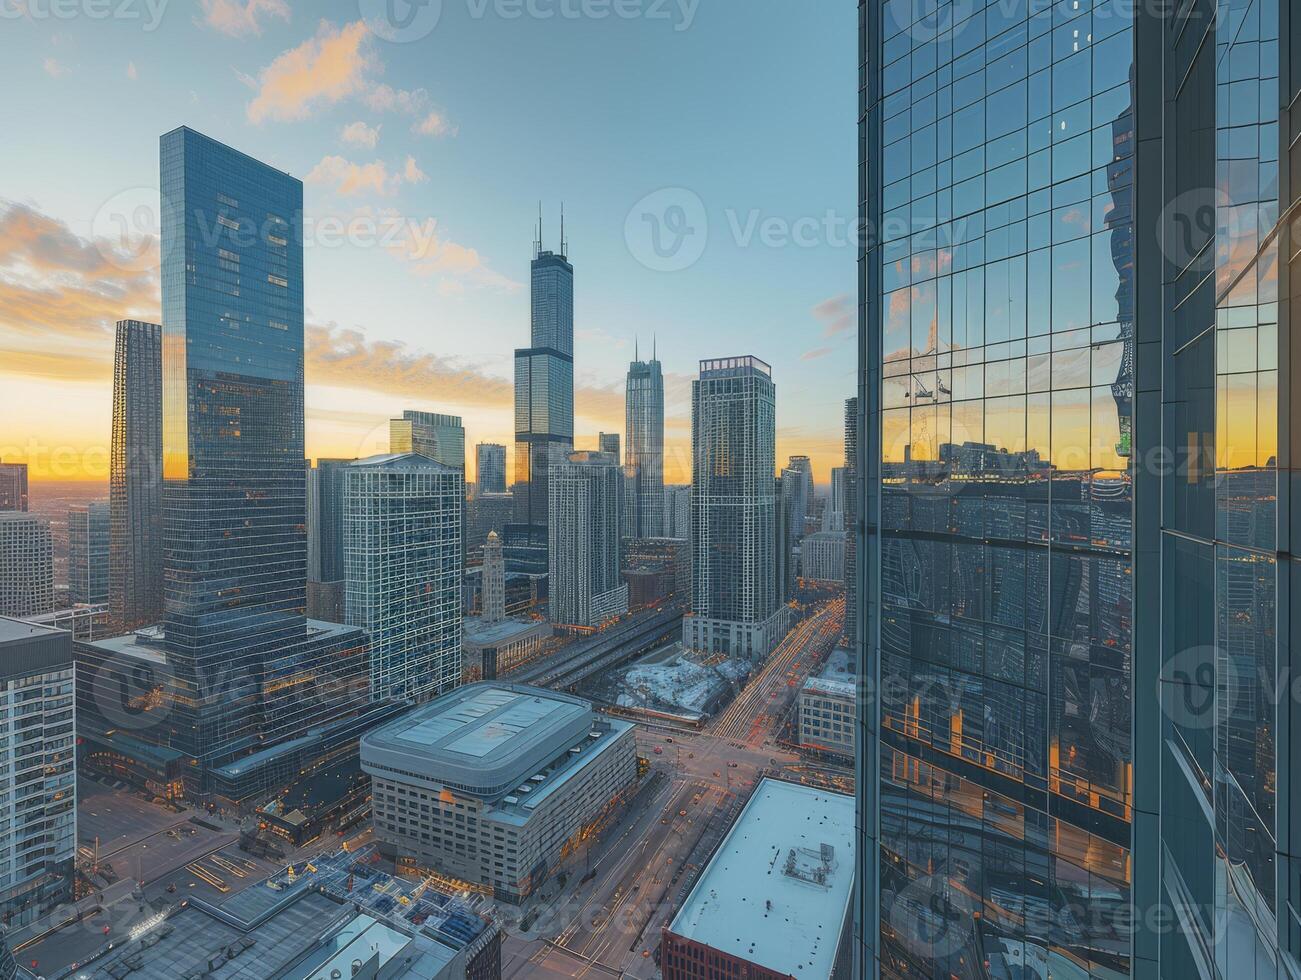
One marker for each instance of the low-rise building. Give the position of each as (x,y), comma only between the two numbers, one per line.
(490,650)
(826,709)
(38,835)
(774,900)
(313,926)
(493,784)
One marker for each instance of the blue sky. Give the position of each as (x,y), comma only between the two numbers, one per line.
(745,111)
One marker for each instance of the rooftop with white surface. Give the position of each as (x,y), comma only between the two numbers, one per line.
(777,890)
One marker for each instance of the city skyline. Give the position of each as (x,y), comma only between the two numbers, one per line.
(386,330)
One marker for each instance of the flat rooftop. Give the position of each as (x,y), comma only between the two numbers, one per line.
(479,633)
(481,738)
(18,630)
(778,888)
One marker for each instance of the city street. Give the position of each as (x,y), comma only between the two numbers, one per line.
(610,926)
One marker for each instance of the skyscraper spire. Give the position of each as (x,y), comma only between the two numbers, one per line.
(537,238)
(564,246)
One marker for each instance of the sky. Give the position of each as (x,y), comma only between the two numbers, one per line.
(704,152)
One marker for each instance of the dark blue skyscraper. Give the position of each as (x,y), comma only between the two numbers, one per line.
(246,663)
(235,539)
(544,394)
(644,426)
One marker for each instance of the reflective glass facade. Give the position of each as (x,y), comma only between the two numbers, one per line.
(234,494)
(644,424)
(88,553)
(544,394)
(136,477)
(490,468)
(1073,558)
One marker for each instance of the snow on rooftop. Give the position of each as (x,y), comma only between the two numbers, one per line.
(777,890)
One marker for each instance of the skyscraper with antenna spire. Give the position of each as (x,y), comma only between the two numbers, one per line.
(544,399)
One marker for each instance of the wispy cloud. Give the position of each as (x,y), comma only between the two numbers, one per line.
(242,18)
(815,353)
(359,134)
(55,68)
(131,70)
(323,70)
(838,314)
(348,179)
(434,124)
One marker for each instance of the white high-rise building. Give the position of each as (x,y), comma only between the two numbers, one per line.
(586,508)
(38,835)
(494,580)
(736,608)
(403,567)
(26,565)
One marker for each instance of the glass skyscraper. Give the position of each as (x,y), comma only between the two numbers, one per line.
(439,437)
(13,486)
(544,393)
(136,477)
(88,552)
(644,424)
(250,675)
(1072,762)
(490,468)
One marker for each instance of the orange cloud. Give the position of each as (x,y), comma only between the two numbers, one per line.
(241,18)
(323,70)
(347,179)
(60,292)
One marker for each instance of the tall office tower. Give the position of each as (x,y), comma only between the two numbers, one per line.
(677,512)
(797,487)
(88,550)
(608,442)
(402,554)
(13,486)
(735,608)
(644,424)
(833,515)
(135,586)
(585,587)
(784,564)
(490,468)
(26,565)
(494,581)
(38,837)
(851,520)
(248,669)
(325,485)
(544,391)
(438,437)
(1076,560)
